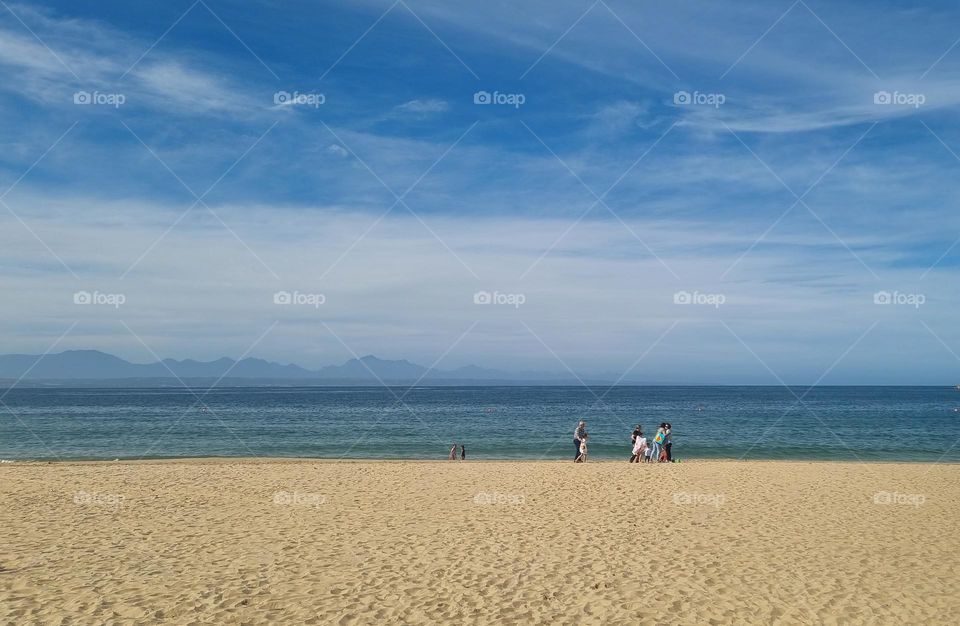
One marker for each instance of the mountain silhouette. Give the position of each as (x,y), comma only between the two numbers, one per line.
(93,365)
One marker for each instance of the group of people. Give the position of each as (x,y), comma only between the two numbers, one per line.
(658,450)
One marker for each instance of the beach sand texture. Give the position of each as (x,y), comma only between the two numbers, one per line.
(710,542)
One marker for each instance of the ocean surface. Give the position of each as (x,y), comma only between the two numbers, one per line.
(839,423)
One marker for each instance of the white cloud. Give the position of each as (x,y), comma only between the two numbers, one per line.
(76,54)
(400,293)
(422,108)
(618,118)
(796,78)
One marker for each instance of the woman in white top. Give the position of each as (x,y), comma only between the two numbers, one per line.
(639,447)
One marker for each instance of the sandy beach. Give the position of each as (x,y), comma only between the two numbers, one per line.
(711,542)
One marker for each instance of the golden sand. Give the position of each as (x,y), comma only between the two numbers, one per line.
(307,542)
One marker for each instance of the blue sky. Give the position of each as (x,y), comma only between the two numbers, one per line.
(795,159)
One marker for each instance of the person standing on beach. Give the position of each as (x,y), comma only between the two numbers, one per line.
(579,433)
(657,443)
(463,452)
(633,443)
(453,453)
(639,447)
(668,442)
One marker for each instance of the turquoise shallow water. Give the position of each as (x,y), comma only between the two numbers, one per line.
(841,423)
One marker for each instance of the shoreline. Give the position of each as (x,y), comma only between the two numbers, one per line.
(226,460)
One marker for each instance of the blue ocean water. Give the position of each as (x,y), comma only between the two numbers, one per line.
(842,423)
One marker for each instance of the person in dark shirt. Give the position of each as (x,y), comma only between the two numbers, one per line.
(463,452)
(578,434)
(668,442)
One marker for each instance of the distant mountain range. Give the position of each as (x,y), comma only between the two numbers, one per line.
(92,366)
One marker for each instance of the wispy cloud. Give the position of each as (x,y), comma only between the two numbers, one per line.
(423,107)
(68,55)
(399,277)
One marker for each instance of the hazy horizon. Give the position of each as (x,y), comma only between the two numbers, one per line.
(88,365)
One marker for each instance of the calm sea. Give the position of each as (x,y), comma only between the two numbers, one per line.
(843,423)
